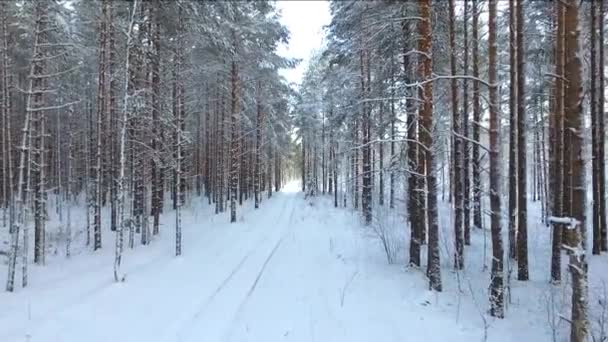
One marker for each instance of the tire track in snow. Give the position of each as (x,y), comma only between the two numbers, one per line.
(237,315)
(179,331)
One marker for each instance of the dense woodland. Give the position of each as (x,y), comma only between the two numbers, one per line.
(484,104)
(127,105)
(130,109)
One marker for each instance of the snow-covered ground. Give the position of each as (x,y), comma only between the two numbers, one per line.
(295,270)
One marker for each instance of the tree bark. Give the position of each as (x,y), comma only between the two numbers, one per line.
(425,69)
(522,225)
(496,280)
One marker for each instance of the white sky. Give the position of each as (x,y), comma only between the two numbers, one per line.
(305,21)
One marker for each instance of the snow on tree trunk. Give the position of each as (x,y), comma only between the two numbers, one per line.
(573,101)
(121,200)
(258,146)
(466,162)
(496,277)
(557,143)
(601,128)
(234,140)
(457,158)
(476,124)
(512,134)
(102,104)
(425,70)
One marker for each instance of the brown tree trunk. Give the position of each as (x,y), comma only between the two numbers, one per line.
(425,70)
(413,202)
(522,225)
(466,162)
(496,282)
(574,138)
(512,133)
(557,143)
(595,133)
(457,150)
(601,128)
(477,221)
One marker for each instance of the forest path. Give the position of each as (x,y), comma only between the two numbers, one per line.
(294,270)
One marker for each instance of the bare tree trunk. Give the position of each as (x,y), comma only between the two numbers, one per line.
(234,142)
(496,282)
(37,102)
(593,107)
(178,134)
(157,186)
(366,191)
(69,163)
(512,133)
(425,69)
(557,141)
(466,162)
(458,150)
(574,137)
(102,102)
(7,151)
(522,225)
(20,199)
(258,146)
(601,128)
(414,200)
(393,156)
(476,162)
(121,201)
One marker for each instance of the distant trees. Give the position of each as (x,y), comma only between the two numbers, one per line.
(129,125)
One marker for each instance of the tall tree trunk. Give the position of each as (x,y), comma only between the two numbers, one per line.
(234,142)
(414,200)
(496,282)
(366,191)
(557,141)
(458,149)
(38,84)
(157,186)
(476,124)
(178,133)
(466,162)
(102,103)
(512,133)
(522,225)
(6,108)
(425,70)
(258,147)
(595,133)
(574,137)
(601,128)
(120,203)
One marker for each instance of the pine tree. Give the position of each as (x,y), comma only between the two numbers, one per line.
(466,158)
(574,124)
(234,140)
(513,176)
(457,152)
(557,133)
(496,278)
(425,68)
(522,228)
(476,123)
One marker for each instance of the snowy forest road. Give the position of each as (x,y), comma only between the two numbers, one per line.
(294,270)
